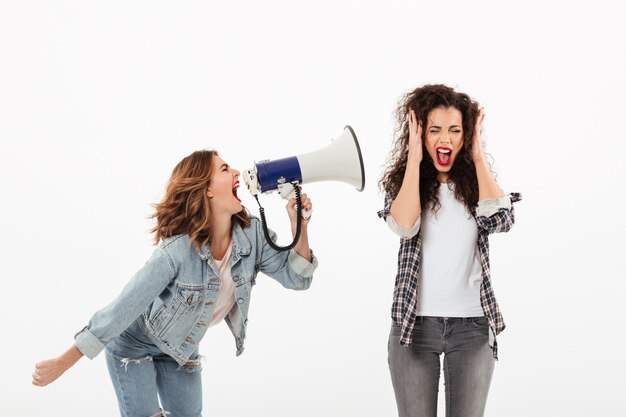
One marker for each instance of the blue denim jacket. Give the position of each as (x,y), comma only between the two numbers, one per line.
(173,296)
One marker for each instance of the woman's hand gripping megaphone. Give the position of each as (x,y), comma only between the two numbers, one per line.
(307,208)
(340,161)
(288,192)
(299,206)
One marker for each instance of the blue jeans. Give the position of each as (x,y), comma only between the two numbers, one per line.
(142,374)
(468,366)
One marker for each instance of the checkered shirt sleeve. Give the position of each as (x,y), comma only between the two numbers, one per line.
(404,307)
(502,220)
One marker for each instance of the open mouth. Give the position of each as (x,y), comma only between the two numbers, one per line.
(444,156)
(235,187)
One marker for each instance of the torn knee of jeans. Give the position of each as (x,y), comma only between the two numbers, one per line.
(193,365)
(126,361)
(162,414)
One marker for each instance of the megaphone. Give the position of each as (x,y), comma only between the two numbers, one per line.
(340,161)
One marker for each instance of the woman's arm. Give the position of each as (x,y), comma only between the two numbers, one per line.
(293,269)
(302,247)
(487,186)
(113,319)
(48,371)
(495,213)
(406,208)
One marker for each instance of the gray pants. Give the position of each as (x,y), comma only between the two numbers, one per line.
(468,365)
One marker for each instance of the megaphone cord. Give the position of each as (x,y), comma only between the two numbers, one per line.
(296,187)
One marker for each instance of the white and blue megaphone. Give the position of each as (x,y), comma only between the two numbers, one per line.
(340,161)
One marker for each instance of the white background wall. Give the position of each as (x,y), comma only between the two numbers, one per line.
(99,101)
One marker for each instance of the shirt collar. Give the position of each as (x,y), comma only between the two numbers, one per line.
(240,245)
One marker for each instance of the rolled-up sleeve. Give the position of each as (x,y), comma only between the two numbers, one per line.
(88,344)
(110,321)
(491,206)
(288,268)
(385,214)
(302,266)
(496,215)
(403,232)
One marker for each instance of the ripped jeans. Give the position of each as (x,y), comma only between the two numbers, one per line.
(142,374)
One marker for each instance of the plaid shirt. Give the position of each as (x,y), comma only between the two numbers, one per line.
(404,308)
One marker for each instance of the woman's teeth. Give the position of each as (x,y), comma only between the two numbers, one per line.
(235,187)
(443,156)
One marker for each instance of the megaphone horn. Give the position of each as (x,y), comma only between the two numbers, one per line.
(340,161)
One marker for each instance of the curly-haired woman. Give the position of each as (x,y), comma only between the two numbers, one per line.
(442,199)
(210,251)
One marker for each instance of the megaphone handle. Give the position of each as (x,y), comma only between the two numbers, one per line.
(288,191)
(298,223)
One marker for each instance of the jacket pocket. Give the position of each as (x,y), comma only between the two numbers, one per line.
(156,316)
(168,316)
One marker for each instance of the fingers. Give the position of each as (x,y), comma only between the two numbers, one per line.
(480,118)
(44,374)
(414,142)
(37,378)
(415,125)
(306,203)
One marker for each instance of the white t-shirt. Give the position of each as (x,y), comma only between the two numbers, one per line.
(226,299)
(450,274)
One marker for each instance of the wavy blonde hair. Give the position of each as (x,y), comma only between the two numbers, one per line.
(185,207)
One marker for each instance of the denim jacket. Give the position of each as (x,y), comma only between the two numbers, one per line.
(174,295)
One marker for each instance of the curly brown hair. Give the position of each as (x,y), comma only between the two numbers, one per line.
(423,100)
(185,207)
